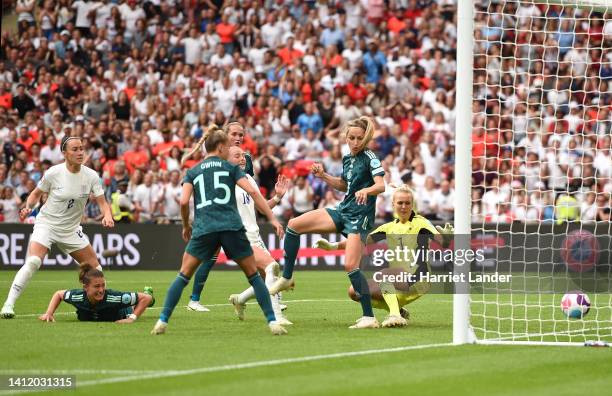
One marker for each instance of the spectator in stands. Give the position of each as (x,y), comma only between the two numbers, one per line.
(301,197)
(443,202)
(170,199)
(424,199)
(374,61)
(121,204)
(96,107)
(10,203)
(146,199)
(22,102)
(143,80)
(310,120)
(51,151)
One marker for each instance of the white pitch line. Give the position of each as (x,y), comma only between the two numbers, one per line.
(560,333)
(44,372)
(210,305)
(261,363)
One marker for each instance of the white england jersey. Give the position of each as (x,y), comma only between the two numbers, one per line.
(246,209)
(68,195)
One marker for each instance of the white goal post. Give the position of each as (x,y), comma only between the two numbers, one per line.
(528,312)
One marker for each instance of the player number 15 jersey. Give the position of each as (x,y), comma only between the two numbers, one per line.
(214,184)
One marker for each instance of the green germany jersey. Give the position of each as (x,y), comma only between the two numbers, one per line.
(214,186)
(111,308)
(248,169)
(358,172)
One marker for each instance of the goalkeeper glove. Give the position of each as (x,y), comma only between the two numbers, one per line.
(446,232)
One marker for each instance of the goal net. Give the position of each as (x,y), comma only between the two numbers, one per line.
(541,169)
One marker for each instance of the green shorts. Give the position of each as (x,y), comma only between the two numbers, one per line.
(352,224)
(234,243)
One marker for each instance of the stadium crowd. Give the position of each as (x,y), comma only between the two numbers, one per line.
(140,80)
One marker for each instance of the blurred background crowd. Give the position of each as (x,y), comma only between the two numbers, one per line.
(141,80)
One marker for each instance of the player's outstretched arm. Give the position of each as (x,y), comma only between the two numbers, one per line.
(57,298)
(261,205)
(144,300)
(185,198)
(334,181)
(31,203)
(378,187)
(107,220)
(280,189)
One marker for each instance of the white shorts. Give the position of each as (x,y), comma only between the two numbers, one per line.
(66,242)
(256,241)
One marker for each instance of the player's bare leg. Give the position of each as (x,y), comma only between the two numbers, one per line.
(86,255)
(249,267)
(318,221)
(36,254)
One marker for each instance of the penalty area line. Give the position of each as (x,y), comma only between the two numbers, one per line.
(261,363)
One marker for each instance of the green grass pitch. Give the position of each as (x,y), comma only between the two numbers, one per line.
(213,353)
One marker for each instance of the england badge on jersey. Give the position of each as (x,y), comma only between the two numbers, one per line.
(84,191)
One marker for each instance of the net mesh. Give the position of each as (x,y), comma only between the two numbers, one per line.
(542,168)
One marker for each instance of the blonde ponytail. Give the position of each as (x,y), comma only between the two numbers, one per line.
(210,139)
(193,150)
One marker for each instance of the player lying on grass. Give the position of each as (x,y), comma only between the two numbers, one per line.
(218,224)
(235,133)
(408,230)
(267,266)
(362,180)
(94,302)
(68,186)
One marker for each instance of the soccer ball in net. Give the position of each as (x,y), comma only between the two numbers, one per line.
(575,304)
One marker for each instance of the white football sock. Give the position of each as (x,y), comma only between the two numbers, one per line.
(25,273)
(246,295)
(249,293)
(270,279)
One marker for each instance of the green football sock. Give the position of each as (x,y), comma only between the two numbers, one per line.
(173,296)
(291,246)
(262,296)
(201,275)
(360,285)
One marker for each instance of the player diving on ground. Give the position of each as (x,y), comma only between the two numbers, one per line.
(95,303)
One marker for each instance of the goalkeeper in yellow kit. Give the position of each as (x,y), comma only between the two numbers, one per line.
(408,230)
